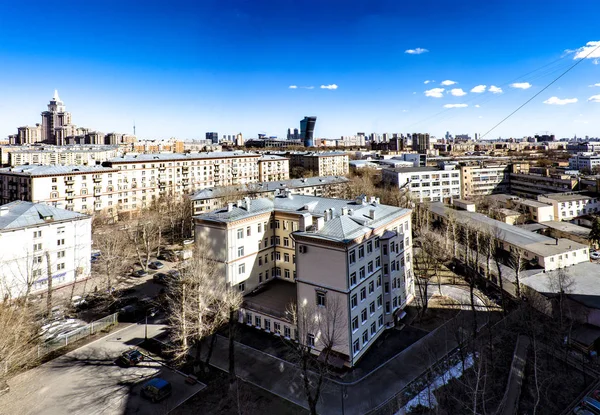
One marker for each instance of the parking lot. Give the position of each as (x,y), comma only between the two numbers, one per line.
(87,381)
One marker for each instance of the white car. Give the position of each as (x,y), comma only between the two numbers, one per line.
(595,255)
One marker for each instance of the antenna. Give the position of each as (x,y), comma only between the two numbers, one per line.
(133,127)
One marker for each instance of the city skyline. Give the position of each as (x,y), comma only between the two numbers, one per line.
(259,68)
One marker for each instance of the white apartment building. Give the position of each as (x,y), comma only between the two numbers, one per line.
(319,251)
(584,161)
(36,238)
(480,180)
(272,168)
(62,155)
(425,183)
(84,189)
(571,204)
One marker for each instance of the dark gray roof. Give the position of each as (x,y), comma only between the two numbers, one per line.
(570,196)
(21,214)
(568,227)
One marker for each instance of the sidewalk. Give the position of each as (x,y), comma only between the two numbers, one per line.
(284,379)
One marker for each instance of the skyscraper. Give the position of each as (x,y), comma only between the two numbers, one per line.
(56,122)
(307,129)
(420,143)
(213,137)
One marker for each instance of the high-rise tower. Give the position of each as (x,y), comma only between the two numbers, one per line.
(55,122)
(307,129)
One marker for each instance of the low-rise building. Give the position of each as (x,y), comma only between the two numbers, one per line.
(533,210)
(581,161)
(39,242)
(213,198)
(571,204)
(425,183)
(355,255)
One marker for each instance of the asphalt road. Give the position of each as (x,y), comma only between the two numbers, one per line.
(86,381)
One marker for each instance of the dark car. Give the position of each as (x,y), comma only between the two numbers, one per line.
(156,389)
(140,273)
(156,265)
(174,273)
(131,357)
(122,302)
(160,278)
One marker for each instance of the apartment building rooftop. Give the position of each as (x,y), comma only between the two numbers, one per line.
(272,157)
(514,235)
(21,214)
(502,197)
(568,227)
(213,192)
(130,158)
(416,169)
(65,149)
(343,220)
(53,170)
(569,196)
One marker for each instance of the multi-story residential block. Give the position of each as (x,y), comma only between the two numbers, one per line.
(425,183)
(527,181)
(334,163)
(213,198)
(84,189)
(571,204)
(480,180)
(538,251)
(583,161)
(38,242)
(583,147)
(62,155)
(321,252)
(271,168)
(158,146)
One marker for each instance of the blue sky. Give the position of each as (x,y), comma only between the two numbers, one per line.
(181,68)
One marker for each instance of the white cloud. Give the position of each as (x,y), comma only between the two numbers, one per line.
(598,84)
(477,106)
(479,89)
(588,49)
(521,85)
(293,87)
(558,101)
(458,92)
(594,98)
(435,92)
(448,82)
(307,87)
(330,86)
(428,81)
(455,105)
(495,90)
(416,51)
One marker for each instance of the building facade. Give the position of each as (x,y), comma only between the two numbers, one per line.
(62,155)
(326,164)
(481,180)
(272,168)
(571,204)
(35,240)
(307,130)
(425,183)
(581,161)
(353,254)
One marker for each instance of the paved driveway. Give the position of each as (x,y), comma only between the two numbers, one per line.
(86,381)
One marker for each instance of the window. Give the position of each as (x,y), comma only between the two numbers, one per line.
(363,294)
(372,308)
(248,318)
(60,242)
(260,276)
(380,320)
(240,234)
(385,250)
(278,256)
(377,243)
(37,247)
(310,340)
(353,301)
(240,251)
(285,224)
(38,260)
(352,257)
(370,267)
(320,299)
(365,336)
(286,257)
(355,347)
(286,241)
(60,266)
(363,315)
(286,273)
(257,321)
(267,323)
(242,287)
(385,269)
(353,278)
(266,275)
(54,180)
(361,252)
(241,269)
(60,254)
(259,261)
(277,224)
(287,332)
(395,302)
(248,231)
(260,230)
(37,234)
(354,324)
(387,307)
(371,287)
(377,262)
(277,328)
(373,329)
(379,301)
(379,281)
(361,272)
(369,247)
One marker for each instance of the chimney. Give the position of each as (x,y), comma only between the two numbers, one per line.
(372,199)
(320,222)
(229,207)
(3,211)
(372,213)
(350,212)
(555,241)
(344,211)
(247,202)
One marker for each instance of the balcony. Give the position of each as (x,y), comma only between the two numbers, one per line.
(97,179)
(69,182)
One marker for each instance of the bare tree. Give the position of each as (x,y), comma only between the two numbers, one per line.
(143,236)
(321,330)
(114,250)
(49,292)
(497,235)
(425,266)
(517,261)
(561,283)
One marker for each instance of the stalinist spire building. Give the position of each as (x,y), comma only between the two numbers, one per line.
(56,122)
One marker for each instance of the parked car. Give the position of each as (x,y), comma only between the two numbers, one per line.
(131,357)
(595,255)
(160,278)
(78,301)
(156,389)
(156,265)
(174,273)
(122,302)
(140,273)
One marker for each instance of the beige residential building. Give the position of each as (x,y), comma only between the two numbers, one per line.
(272,168)
(481,180)
(569,205)
(327,164)
(62,155)
(315,252)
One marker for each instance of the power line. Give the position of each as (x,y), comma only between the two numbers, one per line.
(542,90)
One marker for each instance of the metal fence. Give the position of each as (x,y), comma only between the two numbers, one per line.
(77,334)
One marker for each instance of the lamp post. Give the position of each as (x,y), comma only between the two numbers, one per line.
(344,396)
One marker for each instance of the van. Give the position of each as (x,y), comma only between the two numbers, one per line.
(591,405)
(156,389)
